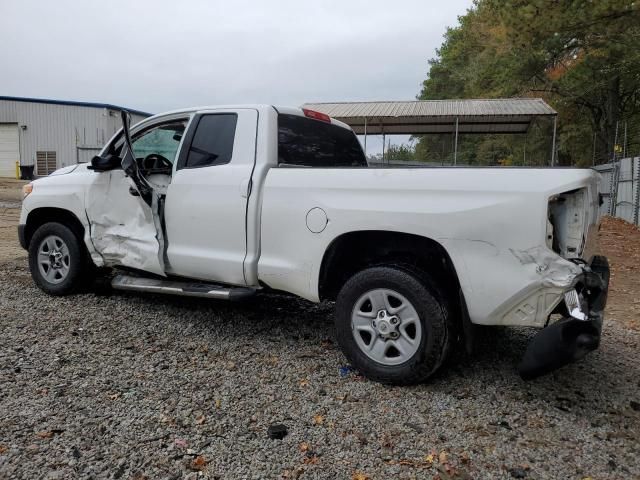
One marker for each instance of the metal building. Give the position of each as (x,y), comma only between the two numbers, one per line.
(50,134)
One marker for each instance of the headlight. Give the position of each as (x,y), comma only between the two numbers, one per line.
(27,189)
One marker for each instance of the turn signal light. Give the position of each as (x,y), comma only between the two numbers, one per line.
(27,189)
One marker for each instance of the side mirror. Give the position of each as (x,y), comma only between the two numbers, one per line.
(103,164)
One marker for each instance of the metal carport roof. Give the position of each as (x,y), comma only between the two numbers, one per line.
(501,115)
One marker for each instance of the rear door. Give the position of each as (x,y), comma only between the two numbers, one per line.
(206,202)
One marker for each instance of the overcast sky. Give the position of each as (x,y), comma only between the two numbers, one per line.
(158,55)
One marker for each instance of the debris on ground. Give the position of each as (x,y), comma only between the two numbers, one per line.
(277,431)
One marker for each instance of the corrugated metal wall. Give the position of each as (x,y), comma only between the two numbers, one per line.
(75,133)
(620,189)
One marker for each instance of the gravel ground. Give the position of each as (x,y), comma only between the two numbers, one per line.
(102,385)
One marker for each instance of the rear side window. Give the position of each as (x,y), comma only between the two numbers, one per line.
(312,143)
(212,142)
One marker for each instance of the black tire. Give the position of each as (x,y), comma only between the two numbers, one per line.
(79,268)
(433,316)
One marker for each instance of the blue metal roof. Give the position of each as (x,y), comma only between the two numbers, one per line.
(75,104)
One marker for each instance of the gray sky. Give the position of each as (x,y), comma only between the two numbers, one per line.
(158,55)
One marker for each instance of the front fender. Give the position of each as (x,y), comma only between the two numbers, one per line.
(64,192)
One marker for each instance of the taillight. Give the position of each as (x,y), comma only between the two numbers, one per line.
(323,117)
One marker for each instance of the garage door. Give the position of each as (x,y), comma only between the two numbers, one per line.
(9,150)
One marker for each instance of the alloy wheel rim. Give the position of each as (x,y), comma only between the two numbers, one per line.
(54,259)
(386,326)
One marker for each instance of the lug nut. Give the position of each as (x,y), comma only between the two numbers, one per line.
(394,320)
(394,335)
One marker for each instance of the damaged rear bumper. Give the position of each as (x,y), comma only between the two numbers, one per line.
(571,338)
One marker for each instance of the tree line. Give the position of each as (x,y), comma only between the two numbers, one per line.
(581,56)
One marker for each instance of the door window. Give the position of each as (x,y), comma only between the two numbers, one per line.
(212,141)
(162,140)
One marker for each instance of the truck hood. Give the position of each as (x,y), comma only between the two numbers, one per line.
(64,170)
(68,174)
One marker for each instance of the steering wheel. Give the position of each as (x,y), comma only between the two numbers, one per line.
(156,163)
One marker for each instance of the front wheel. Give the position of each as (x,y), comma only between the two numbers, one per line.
(57,259)
(392,326)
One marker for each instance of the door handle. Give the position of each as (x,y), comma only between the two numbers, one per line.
(134,192)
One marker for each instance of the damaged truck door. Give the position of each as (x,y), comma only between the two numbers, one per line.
(124,206)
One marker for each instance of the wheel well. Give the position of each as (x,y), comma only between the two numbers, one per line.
(355,251)
(40,216)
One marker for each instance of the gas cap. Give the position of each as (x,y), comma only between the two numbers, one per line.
(316,220)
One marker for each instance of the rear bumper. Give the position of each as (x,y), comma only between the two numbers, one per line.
(570,338)
(22,236)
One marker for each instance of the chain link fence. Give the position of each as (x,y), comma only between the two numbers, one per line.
(624,143)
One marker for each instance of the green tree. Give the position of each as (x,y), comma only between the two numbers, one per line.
(583,57)
(402,152)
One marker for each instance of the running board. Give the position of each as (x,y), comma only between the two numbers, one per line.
(185,289)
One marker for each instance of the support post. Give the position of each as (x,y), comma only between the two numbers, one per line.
(553,143)
(365,136)
(455,146)
(636,207)
(615,144)
(384,139)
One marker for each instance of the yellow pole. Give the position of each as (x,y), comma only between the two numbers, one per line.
(18,170)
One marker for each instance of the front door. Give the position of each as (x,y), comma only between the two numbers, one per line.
(206,202)
(125,220)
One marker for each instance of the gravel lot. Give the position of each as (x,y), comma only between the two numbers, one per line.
(103,385)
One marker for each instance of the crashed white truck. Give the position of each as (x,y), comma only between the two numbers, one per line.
(225,202)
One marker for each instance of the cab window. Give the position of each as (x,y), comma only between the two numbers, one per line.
(306,142)
(162,140)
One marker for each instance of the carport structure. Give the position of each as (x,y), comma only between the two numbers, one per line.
(420,117)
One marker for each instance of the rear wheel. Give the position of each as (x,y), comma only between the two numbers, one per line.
(392,326)
(57,259)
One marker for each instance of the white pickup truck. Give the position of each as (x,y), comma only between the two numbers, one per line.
(224,202)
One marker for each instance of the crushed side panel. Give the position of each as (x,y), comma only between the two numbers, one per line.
(123,227)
